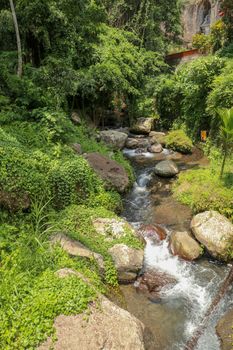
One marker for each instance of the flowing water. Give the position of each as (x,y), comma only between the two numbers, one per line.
(173,318)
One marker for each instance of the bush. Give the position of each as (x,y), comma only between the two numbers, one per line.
(178,141)
(31,295)
(202,189)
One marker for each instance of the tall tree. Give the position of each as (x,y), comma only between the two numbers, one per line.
(20,57)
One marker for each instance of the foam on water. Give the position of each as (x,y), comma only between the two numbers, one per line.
(196,296)
(131,153)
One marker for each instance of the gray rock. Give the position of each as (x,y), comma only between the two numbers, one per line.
(113,228)
(128,261)
(215,232)
(143,126)
(224,330)
(105,326)
(166,168)
(132,143)
(183,245)
(115,139)
(112,173)
(155,148)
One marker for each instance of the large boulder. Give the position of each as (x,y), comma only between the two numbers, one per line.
(106,326)
(143,126)
(113,228)
(113,174)
(166,168)
(128,261)
(183,245)
(215,232)
(224,330)
(75,248)
(115,139)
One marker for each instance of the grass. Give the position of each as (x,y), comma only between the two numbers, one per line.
(202,189)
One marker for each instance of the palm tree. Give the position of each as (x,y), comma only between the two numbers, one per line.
(226,134)
(20,59)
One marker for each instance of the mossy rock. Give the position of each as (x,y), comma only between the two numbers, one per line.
(178,141)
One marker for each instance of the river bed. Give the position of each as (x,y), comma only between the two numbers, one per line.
(173,318)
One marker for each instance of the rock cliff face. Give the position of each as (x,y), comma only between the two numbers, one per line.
(198,16)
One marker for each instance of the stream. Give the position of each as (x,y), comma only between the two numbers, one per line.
(172,319)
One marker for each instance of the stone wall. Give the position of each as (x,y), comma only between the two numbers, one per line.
(198,16)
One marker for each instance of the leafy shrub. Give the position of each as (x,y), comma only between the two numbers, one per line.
(168,95)
(178,141)
(202,42)
(31,295)
(202,190)
(76,221)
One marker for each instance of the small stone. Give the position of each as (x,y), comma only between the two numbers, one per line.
(156,148)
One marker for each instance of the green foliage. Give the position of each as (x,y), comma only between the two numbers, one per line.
(168,97)
(178,141)
(227,8)
(202,42)
(76,222)
(32,165)
(221,95)
(202,189)
(154,24)
(190,87)
(31,295)
(226,134)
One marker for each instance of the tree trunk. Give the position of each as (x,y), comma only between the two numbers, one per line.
(223,163)
(20,58)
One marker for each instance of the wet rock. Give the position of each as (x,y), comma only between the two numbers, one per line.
(157,137)
(77,148)
(105,326)
(128,261)
(75,248)
(174,156)
(113,174)
(143,126)
(152,282)
(115,139)
(166,168)
(140,150)
(113,228)
(224,330)
(183,245)
(132,143)
(215,232)
(155,148)
(153,232)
